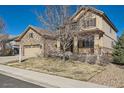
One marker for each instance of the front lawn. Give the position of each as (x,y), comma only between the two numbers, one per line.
(69,69)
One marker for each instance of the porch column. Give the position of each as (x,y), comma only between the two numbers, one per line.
(97,48)
(43,44)
(96,44)
(20,52)
(75,44)
(58,45)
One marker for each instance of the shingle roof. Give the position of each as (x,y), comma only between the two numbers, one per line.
(3,36)
(7,38)
(41,31)
(45,33)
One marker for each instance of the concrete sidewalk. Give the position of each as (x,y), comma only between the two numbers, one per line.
(4,59)
(45,80)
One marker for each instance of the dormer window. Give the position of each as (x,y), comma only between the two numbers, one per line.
(31,35)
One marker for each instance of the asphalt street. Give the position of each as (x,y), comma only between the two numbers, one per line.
(9,82)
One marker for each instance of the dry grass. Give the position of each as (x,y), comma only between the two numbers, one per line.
(70,69)
(111,76)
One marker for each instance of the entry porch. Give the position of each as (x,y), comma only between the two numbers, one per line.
(85,42)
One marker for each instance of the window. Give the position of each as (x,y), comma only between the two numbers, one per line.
(112,44)
(80,43)
(74,26)
(89,23)
(86,43)
(31,35)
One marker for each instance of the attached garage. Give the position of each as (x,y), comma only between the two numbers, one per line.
(32,50)
(33,42)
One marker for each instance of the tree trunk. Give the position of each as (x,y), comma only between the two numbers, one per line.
(64,56)
(98,59)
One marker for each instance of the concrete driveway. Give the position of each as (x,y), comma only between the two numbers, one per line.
(4,59)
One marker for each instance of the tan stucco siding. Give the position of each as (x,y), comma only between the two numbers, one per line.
(107,42)
(109,35)
(104,26)
(99,23)
(109,31)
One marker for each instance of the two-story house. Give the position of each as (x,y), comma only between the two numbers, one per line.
(97,34)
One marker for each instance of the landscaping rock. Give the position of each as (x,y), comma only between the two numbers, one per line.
(82,58)
(91,59)
(104,60)
(111,76)
(74,57)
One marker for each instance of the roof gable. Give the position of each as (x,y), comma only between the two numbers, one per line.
(95,11)
(26,30)
(39,31)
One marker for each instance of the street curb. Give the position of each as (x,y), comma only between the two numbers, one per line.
(42,84)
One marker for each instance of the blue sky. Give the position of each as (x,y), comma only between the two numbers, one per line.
(17,18)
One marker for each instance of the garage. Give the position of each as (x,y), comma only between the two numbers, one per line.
(32,50)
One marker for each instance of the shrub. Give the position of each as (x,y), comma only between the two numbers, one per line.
(74,57)
(68,54)
(104,60)
(91,59)
(118,53)
(82,58)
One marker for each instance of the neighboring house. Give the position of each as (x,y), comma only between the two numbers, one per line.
(6,45)
(14,45)
(2,44)
(97,35)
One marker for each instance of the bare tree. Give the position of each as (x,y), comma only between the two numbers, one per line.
(2,25)
(2,36)
(58,18)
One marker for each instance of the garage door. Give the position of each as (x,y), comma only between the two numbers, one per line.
(32,51)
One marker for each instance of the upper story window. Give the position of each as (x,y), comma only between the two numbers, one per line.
(89,23)
(31,35)
(112,44)
(74,26)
